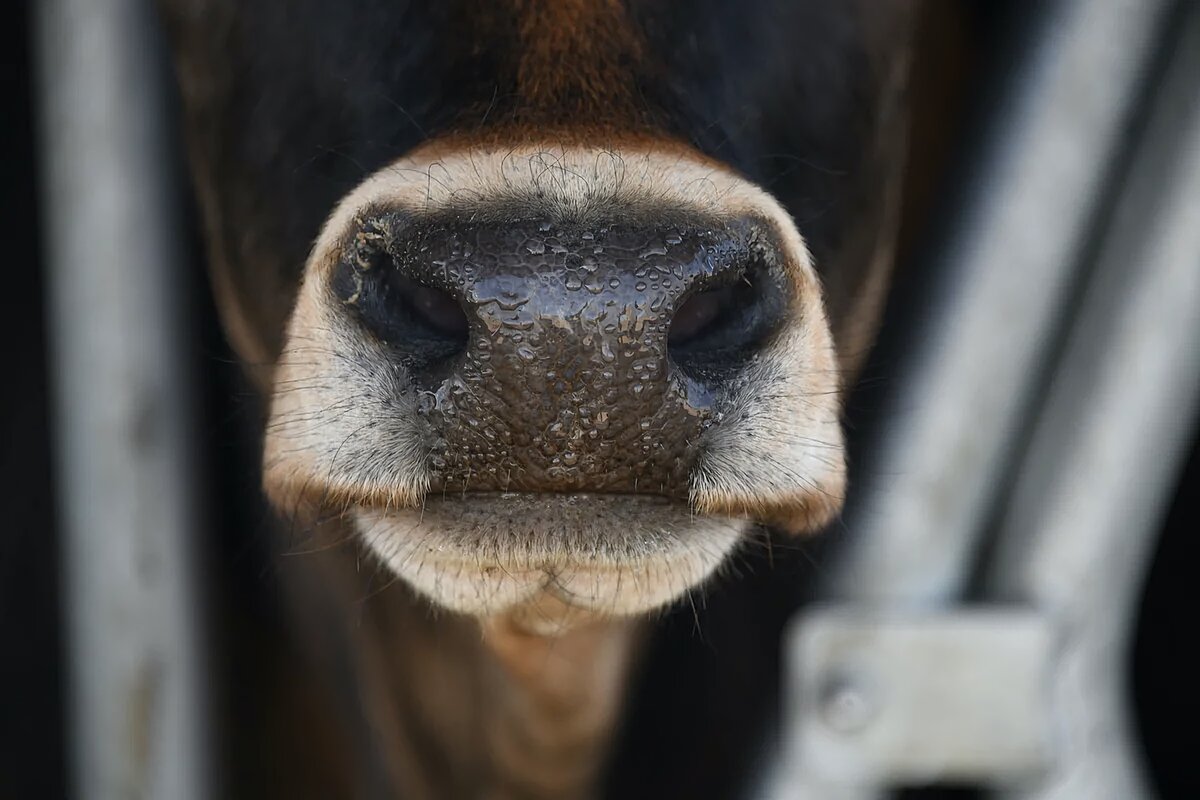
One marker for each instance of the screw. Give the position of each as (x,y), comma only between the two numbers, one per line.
(846,704)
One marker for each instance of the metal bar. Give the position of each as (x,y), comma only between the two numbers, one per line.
(970,373)
(121,406)
(1110,443)
(968,377)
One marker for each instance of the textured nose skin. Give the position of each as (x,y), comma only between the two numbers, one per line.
(565,383)
(539,350)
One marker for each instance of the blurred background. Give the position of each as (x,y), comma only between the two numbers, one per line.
(1107,88)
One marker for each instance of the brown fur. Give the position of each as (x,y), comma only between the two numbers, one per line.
(443,707)
(576,58)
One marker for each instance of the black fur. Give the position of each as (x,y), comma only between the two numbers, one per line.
(290,103)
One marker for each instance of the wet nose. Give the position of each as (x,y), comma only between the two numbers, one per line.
(565,357)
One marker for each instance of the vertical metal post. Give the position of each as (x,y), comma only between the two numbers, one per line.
(1109,444)
(938,470)
(122,407)
(967,379)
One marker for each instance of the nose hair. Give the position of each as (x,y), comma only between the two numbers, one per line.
(558,357)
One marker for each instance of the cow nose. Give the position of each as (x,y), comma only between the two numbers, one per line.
(557,357)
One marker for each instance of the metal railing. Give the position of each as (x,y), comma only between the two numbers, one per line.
(122,406)
(977,623)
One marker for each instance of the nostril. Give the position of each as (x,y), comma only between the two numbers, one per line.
(715,331)
(697,314)
(436,309)
(422,325)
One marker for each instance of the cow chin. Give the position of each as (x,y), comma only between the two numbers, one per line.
(550,444)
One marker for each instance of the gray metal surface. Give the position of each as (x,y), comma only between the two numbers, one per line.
(967,380)
(121,407)
(912,699)
(1110,443)
(1105,440)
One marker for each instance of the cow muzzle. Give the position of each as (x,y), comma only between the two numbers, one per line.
(560,373)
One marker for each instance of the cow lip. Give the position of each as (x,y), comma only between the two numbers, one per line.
(490,551)
(539,528)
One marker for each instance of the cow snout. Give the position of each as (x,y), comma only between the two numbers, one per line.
(558,372)
(551,356)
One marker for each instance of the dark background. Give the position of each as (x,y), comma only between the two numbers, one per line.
(33,731)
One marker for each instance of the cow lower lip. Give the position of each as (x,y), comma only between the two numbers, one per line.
(533,529)
(486,552)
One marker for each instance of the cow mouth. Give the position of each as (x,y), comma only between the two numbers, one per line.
(612,554)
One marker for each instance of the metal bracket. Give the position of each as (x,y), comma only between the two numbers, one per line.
(887,699)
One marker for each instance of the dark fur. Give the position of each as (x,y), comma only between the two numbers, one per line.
(290,103)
